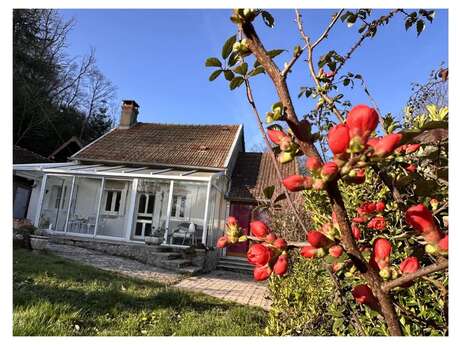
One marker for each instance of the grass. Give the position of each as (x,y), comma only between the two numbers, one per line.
(53,296)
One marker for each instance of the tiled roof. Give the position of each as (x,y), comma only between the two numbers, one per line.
(253,172)
(164,144)
(24,156)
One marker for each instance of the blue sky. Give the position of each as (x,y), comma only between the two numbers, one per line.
(157,58)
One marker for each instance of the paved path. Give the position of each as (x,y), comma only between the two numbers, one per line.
(229,286)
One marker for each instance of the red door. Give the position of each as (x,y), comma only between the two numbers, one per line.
(242,212)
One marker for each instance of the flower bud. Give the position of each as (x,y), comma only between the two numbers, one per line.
(386,145)
(231,221)
(222,242)
(318,240)
(335,251)
(280,244)
(380,257)
(295,183)
(329,170)
(356,232)
(363,295)
(309,252)
(434,204)
(259,229)
(409,265)
(421,219)
(359,220)
(337,266)
(362,121)
(262,272)
(313,163)
(276,135)
(258,254)
(385,273)
(366,208)
(338,139)
(281,265)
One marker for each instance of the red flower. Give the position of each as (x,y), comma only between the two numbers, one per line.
(377,223)
(281,265)
(379,206)
(295,183)
(222,242)
(409,265)
(262,272)
(443,244)
(357,176)
(386,145)
(280,244)
(313,163)
(318,240)
(366,208)
(329,169)
(420,218)
(232,221)
(258,254)
(271,237)
(338,139)
(362,121)
(276,135)
(259,229)
(380,257)
(356,232)
(336,251)
(309,252)
(411,168)
(363,295)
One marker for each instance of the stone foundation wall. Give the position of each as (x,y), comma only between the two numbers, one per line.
(153,255)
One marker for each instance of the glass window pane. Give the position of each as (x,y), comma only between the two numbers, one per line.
(83,210)
(138,229)
(117,202)
(113,222)
(108,202)
(151,204)
(142,203)
(54,209)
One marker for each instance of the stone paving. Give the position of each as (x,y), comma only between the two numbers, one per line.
(230,286)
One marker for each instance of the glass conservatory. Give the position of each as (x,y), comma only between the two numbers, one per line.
(182,207)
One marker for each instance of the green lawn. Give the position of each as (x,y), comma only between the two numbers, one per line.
(54,296)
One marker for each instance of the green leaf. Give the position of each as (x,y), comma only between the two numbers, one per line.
(228,45)
(228,75)
(275,52)
(215,74)
(213,62)
(232,59)
(420,26)
(241,69)
(256,71)
(268,192)
(236,82)
(268,19)
(280,197)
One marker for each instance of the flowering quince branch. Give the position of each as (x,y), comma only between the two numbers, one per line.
(438,266)
(354,151)
(306,145)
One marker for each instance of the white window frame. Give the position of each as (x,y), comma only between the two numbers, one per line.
(178,204)
(112,211)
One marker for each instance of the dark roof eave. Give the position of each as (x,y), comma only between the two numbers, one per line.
(147,164)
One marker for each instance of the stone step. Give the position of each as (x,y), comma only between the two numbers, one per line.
(176,263)
(235,264)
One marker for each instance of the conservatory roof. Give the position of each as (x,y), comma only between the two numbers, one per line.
(100,170)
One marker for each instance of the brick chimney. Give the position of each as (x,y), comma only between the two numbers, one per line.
(129,111)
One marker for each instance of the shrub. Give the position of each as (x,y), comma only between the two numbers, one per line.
(300,300)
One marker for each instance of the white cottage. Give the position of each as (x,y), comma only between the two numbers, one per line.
(143,179)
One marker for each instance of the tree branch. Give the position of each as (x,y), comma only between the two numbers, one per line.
(438,266)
